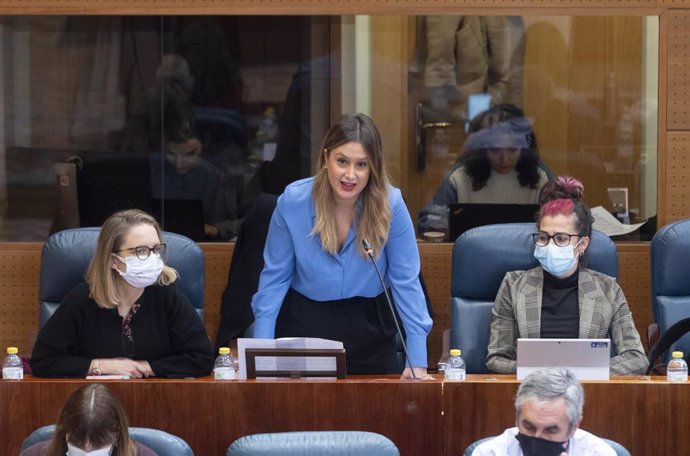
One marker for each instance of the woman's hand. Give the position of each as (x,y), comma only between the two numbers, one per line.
(125,366)
(420,373)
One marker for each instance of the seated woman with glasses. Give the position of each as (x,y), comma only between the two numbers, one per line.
(561,298)
(129,318)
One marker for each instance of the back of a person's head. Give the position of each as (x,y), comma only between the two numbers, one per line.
(93,416)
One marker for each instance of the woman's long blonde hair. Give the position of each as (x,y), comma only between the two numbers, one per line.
(373,221)
(93,415)
(100,275)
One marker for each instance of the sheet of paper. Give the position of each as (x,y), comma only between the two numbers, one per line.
(610,225)
(288,363)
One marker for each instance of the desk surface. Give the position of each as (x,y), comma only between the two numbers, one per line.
(421,417)
(210,415)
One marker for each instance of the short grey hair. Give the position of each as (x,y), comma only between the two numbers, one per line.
(545,385)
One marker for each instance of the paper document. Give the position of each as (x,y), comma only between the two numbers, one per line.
(610,225)
(326,363)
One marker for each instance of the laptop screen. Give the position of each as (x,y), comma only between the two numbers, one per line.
(465,216)
(588,359)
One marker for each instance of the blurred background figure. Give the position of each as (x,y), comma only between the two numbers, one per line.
(499,165)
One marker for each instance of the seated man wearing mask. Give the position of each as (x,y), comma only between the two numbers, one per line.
(548,409)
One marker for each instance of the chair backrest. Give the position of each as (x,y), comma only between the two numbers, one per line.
(481,258)
(314,443)
(670,271)
(163,443)
(618,448)
(66,255)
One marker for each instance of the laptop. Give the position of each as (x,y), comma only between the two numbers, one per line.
(464,216)
(588,359)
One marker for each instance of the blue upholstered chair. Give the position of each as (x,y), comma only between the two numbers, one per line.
(670,271)
(163,443)
(620,449)
(66,255)
(481,258)
(314,443)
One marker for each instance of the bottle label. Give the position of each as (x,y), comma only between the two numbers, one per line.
(12,373)
(454,375)
(224,373)
(681,376)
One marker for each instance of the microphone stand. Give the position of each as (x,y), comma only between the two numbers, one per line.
(370,254)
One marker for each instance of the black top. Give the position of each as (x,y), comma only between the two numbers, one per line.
(560,310)
(166,331)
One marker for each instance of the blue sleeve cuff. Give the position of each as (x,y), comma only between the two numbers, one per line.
(416,345)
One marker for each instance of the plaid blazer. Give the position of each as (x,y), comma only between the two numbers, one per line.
(604,313)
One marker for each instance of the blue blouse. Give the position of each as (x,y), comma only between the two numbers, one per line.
(294,258)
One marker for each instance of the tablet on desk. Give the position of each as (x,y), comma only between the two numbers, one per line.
(588,359)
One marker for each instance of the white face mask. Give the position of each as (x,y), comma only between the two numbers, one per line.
(76,451)
(141,273)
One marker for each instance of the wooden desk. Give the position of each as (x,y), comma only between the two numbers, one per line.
(646,416)
(422,418)
(210,415)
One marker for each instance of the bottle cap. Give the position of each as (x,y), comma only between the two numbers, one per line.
(224,350)
(12,350)
(455,352)
(676,354)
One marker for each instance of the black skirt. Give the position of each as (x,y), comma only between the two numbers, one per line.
(364,325)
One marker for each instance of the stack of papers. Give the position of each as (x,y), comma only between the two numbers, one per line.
(610,225)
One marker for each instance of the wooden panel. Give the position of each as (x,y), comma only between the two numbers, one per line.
(19,273)
(217,258)
(634,279)
(678,107)
(436,262)
(627,411)
(210,415)
(677,176)
(308,6)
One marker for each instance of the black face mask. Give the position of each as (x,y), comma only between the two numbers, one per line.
(533,446)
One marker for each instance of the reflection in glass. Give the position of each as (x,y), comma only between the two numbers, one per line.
(219,109)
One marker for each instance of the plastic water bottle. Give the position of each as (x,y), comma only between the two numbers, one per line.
(225,367)
(12,368)
(455,367)
(677,369)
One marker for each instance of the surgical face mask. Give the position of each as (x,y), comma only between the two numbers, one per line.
(76,451)
(141,273)
(556,260)
(534,446)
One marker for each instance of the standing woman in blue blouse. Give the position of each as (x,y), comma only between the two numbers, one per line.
(317,279)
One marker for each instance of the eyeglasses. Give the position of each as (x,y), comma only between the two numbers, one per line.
(142,252)
(560,239)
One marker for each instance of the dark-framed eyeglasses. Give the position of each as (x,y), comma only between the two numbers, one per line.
(142,252)
(560,239)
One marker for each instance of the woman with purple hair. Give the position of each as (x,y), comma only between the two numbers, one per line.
(561,298)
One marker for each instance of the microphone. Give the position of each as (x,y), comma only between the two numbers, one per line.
(370,253)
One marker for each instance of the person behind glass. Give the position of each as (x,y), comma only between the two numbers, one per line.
(548,413)
(561,298)
(128,318)
(499,165)
(92,422)
(317,279)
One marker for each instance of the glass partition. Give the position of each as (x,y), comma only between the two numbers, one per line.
(191,117)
